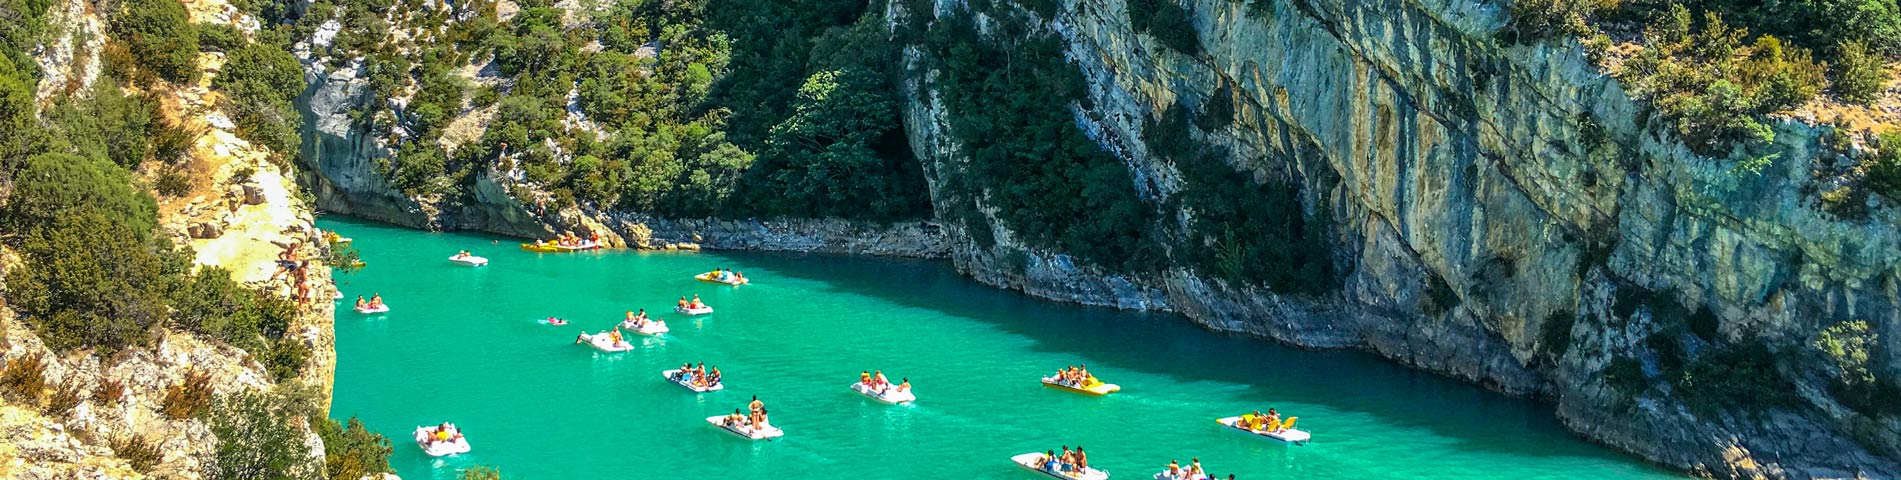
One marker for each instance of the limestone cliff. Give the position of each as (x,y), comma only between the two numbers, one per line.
(241,209)
(1521,178)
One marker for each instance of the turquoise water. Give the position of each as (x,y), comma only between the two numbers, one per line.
(466,345)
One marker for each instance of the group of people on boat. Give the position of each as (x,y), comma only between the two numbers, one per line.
(638,320)
(1069,463)
(461,255)
(1175,471)
(375,302)
(699,376)
(693,305)
(1074,376)
(1258,422)
(875,381)
(570,240)
(755,418)
(613,336)
(445,432)
(726,275)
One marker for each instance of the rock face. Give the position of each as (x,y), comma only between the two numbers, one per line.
(1520,177)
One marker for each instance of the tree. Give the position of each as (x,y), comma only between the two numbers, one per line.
(1860,75)
(821,160)
(255,442)
(261,79)
(352,452)
(161,37)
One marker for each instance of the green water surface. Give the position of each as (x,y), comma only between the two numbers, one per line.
(467,345)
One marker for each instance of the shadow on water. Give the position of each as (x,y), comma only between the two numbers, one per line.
(1169,345)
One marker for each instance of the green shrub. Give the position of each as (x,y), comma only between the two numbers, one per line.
(173,183)
(1883,169)
(161,38)
(188,398)
(219,37)
(63,399)
(1740,377)
(822,159)
(256,438)
(480,472)
(285,359)
(1626,375)
(261,78)
(1167,22)
(1713,92)
(1852,347)
(1243,231)
(353,451)
(1051,185)
(1860,75)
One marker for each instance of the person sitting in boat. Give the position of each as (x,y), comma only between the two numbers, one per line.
(637,321)
(376,300)
(462,254)
(735,419)
(614,336)
(1272,421)
(864,378)
(712,379)
(1174,469)
(739,277)
(1068,459)
(696,302)
(1082,460)
(1194,468)
(879,382)
(686,369)
(1047,463)
(906,386)
(360,303)
(756,405)
(758,419)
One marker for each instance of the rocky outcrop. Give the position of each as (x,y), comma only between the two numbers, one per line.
(343,168)
(1519,177)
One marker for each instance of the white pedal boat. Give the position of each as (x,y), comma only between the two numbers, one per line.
(1029,460)
(1291,435)
(455,445)
(601,341)
(470,260)
(746,432)
(704,309)
(369,309)
(891,394)
(689,385)
(653,327)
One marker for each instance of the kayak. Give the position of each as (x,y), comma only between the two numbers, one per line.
(600,341)
(653,327)
(689,385)
(557,248)
(743,431)
(334,238)
(470,260)
(1093,387)
(556,322)
(891,394)
(694,311)
(1029,460)
(456,444)
(369,309)
(708,277)
(1287,434)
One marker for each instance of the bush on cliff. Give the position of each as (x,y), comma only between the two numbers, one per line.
(1884,169)
(350,450)
(1851,348)
(261,78)
(1244,231)
(1741,377)
(257,438)
(1009,103)
(161,37)
(1167,22)
(1711,90)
